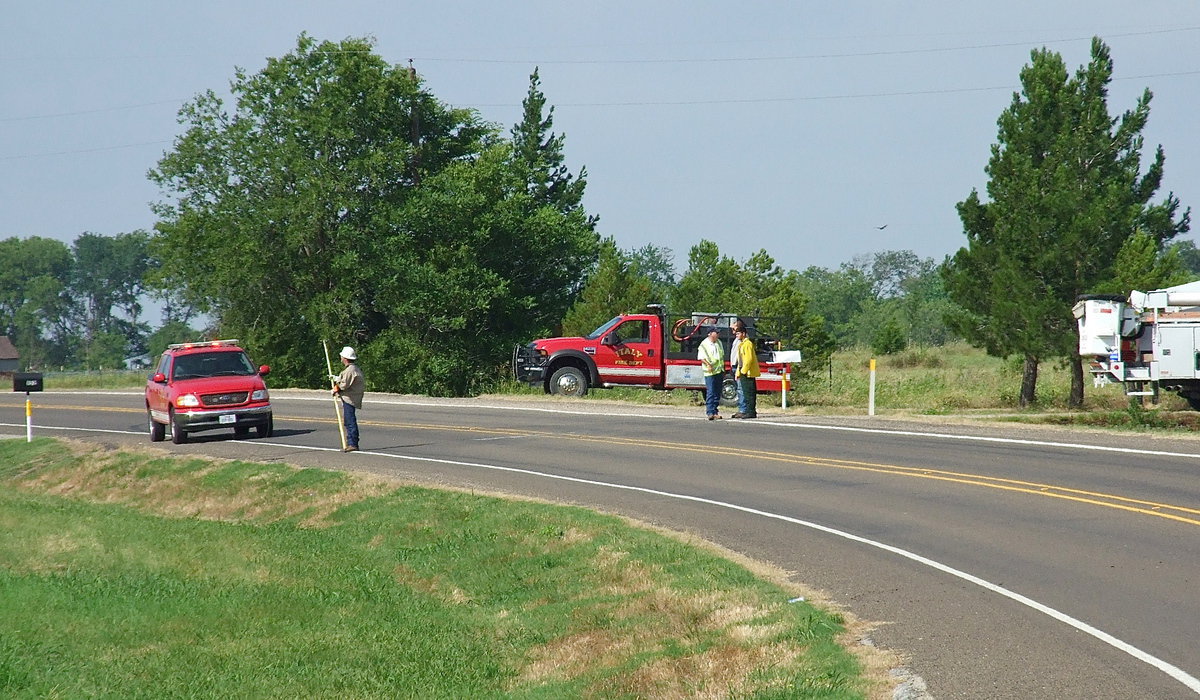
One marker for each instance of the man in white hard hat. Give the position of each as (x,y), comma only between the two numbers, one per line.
(349,387)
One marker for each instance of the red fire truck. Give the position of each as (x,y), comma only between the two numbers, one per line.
(652,350)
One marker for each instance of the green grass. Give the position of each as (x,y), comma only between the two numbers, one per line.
(955,378)
(128,574)
(106,379)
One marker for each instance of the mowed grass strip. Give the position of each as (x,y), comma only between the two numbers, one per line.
(125,573)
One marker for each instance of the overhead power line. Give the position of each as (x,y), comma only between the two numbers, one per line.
(97,110)
(797,57)
(86,150)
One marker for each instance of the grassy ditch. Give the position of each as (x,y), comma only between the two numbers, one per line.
(124,573)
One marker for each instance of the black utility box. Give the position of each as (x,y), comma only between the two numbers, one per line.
(27,381)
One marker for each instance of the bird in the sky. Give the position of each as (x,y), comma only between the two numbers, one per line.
(881,227)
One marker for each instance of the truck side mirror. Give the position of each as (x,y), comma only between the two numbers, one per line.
(609,339)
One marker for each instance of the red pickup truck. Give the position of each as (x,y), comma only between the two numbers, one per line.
(652,350)
(205,386)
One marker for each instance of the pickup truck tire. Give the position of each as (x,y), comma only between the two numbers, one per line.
(158,431)
(178,435)
(568,381)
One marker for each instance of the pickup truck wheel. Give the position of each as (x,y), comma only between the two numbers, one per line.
(267,430)
(729,392)
(568,381)
(158,431)
(178,436)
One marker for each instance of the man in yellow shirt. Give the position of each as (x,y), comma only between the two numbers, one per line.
(745,374)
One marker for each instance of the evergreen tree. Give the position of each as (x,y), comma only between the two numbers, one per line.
(616,286)
(538,152)
(1066,192)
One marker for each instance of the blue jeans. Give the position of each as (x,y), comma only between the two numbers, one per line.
(712,391)
(747,396)
(350,420)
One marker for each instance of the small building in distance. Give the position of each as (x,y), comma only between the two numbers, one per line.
(10,359)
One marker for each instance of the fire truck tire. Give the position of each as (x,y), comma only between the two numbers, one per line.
(568,381)
(729,392)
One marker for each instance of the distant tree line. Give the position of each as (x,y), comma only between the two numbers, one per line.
(81,306)
(336,199)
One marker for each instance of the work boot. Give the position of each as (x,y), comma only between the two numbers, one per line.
(351,448)
(739,415)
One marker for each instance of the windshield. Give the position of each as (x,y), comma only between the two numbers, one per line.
(604,328)
(213,364)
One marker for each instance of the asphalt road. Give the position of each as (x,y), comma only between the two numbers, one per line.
(1008,562)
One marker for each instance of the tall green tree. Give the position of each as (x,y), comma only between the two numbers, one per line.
(717,283)
(615,286)
(711,284)
(657,263)
(1188,255)
(1065,192)
(36,307)
(538,153)
(109,284)
(1143,264)
(841,297)
(338,199)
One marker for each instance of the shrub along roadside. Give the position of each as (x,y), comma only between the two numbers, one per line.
(135,575)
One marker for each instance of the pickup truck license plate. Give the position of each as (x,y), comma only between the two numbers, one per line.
(227,418)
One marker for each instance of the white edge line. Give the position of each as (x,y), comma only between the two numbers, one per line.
(1171,670)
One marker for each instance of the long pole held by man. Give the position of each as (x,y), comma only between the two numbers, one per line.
(337,401)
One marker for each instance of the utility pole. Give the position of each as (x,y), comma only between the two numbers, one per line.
(415,122)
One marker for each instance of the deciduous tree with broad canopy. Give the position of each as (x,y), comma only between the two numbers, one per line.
(1066,195)
(338,199)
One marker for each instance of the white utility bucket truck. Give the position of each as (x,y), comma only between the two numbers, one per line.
(1148,341)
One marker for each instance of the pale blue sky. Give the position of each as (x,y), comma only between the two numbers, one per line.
(798,128)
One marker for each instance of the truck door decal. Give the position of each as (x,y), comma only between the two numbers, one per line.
(624,357)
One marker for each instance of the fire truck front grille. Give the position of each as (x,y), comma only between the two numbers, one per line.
(224,399)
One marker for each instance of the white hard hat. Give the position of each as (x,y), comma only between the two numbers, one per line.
(348,353)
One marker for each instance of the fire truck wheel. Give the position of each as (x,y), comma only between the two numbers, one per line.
(729,392)
(568,381)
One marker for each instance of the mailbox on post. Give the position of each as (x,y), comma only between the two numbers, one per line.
(27,381)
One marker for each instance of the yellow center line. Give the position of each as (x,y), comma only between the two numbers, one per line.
(1106,500)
